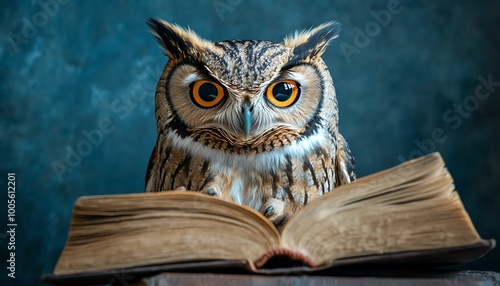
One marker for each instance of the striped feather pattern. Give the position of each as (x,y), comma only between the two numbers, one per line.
(292,156)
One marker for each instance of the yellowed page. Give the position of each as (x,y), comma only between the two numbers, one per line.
(157,228)
(409,207)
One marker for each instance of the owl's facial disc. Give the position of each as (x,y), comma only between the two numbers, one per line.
(284,104)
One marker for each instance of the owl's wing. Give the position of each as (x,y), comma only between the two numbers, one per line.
(344,163)
(150,175)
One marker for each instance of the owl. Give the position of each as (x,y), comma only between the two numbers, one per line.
(250,122)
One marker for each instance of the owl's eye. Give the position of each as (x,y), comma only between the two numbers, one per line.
(206,94)
(283,93)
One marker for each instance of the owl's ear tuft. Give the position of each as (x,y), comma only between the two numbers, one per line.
(177,42)
(311,44)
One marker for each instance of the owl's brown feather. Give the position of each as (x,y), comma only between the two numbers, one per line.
(344,163)
(150,171)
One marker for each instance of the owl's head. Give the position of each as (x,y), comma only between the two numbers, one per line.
(245,96)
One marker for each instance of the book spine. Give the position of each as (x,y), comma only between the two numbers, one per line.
(294,255)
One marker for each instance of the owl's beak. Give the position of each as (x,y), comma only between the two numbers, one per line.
(247,118)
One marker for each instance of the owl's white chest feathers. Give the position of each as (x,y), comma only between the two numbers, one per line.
(243,171)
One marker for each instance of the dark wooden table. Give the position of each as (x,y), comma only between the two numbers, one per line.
(467,277)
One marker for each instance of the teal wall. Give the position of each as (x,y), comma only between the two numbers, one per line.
(411,78)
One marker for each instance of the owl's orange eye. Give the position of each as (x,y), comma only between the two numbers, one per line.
(206,94)
(283,93)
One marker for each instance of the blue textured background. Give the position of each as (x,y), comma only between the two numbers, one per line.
(85,64)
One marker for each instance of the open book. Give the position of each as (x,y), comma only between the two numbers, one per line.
(406,214)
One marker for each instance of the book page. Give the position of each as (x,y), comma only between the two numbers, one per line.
(410,207)
(122,231)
